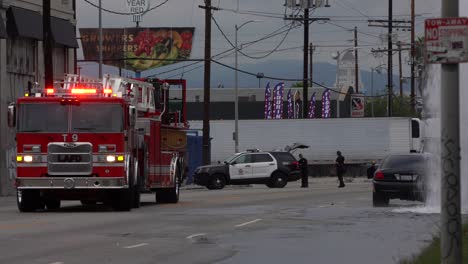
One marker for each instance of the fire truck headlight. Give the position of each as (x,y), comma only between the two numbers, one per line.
(110,158)
(19,158)
(28,158)
(120,158)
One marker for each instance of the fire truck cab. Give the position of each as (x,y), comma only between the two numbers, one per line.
(98,141)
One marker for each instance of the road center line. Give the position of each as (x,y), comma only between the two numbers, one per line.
(139,245)
(248,223)
(196,235)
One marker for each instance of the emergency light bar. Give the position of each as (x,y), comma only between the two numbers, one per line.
(83,91)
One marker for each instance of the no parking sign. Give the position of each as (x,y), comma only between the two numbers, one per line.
(357,105)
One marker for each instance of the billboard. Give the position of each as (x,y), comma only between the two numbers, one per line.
(138,49)
(357,106)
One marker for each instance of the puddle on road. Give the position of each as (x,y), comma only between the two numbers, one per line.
(418,210)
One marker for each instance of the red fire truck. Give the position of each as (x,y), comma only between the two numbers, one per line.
(99,141)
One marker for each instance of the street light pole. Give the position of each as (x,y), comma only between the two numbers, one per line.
(236,102)
(372,91)
(100,39)
(338,85)
(236,88)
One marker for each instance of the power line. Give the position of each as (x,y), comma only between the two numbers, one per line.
(125,13)
(270,35)
(247,55)
(350,6)
(349,29)
(285,79)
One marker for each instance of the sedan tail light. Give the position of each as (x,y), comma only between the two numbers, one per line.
(379,175)
(295,164)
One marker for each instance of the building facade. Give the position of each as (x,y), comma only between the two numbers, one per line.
(22,61)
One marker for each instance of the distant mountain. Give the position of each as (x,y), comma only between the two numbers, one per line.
(324,73)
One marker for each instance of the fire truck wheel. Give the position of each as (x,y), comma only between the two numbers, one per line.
(136,197)
(52,204)
(160,196)
(123,200)
(88,202)
(136,190)
(28,200)
(170,195)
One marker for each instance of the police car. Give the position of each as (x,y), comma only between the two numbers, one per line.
(273,168)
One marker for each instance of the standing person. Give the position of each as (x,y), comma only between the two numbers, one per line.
(304,172)
(371,170)
(340,168)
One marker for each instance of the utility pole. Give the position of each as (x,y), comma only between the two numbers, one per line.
(400,70)
(451,222)
(356,64)
(305,84)
(100,39)
(306,20)
(390,63)
(412,96)
(48,45)
(207,83)
(311,77)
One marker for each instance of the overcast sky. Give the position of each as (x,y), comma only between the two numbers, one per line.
(330,37)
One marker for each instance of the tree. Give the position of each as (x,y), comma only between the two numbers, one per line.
(401,107)
(297,85)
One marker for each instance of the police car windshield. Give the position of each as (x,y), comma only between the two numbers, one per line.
(41,117)
(231,158)
(97,117)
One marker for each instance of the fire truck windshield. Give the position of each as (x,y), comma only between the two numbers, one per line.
(85,117)
(40,117)
(97,117)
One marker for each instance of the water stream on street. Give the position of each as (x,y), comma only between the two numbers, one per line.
(431,119)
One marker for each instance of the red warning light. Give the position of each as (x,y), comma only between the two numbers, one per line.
(50,91)
(83,91)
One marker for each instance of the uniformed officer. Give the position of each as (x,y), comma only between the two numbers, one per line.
(340,168)
(304,173)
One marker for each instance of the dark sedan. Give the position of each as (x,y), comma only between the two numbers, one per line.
(401,177)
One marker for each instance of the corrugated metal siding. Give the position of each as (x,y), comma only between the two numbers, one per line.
(360,140)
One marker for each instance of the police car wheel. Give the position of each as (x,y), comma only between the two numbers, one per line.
(278,180)
(217,182)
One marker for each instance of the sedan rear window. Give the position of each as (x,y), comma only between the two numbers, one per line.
(404,162)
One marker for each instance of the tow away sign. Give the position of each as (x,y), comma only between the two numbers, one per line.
(446,40)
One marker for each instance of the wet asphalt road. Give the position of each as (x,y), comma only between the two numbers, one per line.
(321,224)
